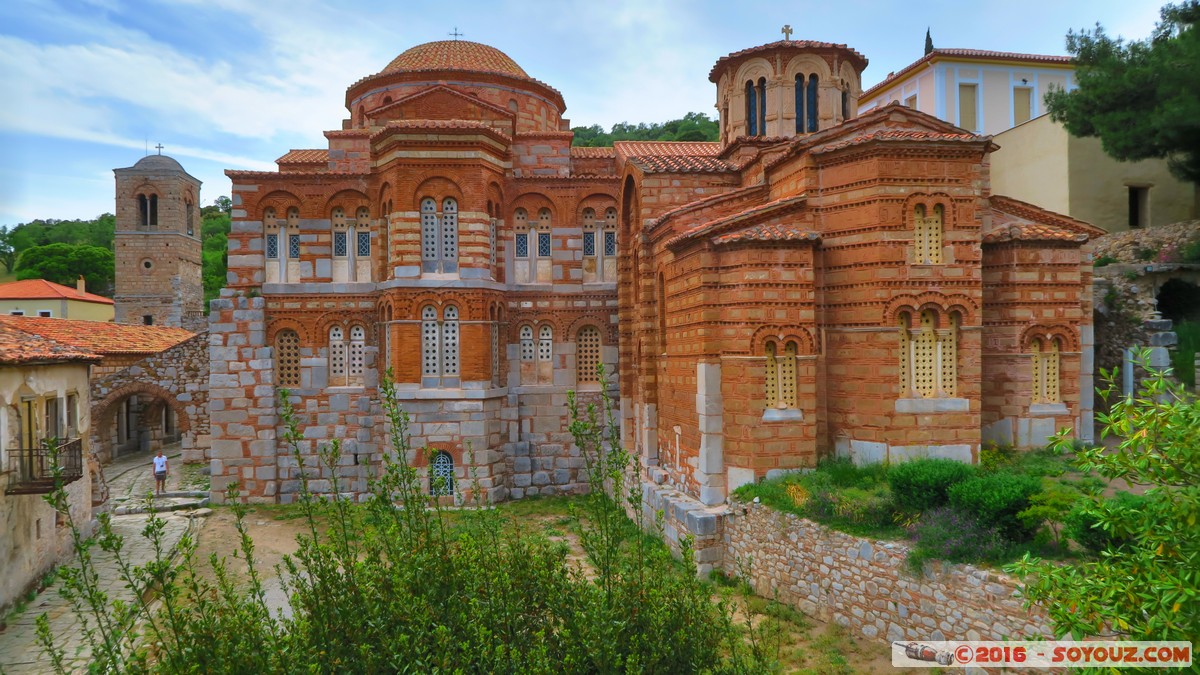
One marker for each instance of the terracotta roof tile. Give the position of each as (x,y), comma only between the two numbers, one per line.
(768,232)
(19,347)
(747,193)
(1031,232)
(101,337)
(40,289)
(754,212)
(782,44)
(967,54)
(304,157)
(456,55)
(592,153)
(668,148)
(440,124)
(1008,210)
(682,164)
(899,135)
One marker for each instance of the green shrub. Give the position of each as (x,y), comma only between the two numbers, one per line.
(996,456)
(950,534)
(1191,251)
(996,500)
(923,484)
(1080,523)
(1183,357)
(1104,260)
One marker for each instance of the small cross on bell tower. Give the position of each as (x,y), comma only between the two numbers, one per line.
(159,147)
(787,31)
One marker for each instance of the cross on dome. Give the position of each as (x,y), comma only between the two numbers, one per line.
(455,34)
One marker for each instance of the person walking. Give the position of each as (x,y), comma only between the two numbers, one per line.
(160,473)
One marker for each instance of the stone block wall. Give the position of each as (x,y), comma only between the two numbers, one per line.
(865,585)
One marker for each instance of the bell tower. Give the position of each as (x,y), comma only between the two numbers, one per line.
(157,245)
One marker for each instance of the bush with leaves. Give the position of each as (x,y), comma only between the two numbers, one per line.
(1149,587)
(396,585)
(997,500)
(950,534)
(922,484)
(1082,524)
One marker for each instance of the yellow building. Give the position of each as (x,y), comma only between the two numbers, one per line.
(38,297)
(1001,94)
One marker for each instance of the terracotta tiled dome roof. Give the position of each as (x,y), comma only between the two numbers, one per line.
(456,55)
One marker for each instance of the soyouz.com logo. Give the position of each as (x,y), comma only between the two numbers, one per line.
(1049,654)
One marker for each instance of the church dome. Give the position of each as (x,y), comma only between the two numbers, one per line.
(158,163)
(456,55)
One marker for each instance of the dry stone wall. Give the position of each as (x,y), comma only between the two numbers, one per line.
(865,585)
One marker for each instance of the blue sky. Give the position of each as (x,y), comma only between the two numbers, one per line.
(87,85)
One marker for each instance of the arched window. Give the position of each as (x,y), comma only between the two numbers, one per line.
(362,230)
(1045,359)
(599,246)
(761,91)
(293,225)
(356,354)
(927,234)
(527,347)
(779,387)
(337,356)
(929,358)
(441,475)
(811,102)
(532,254)
(143,211)
(845,105)
(492,246)
(190,211)
(439,347)
(439,235)
(287,358)
(798,93)
(271,231)
(545,343)
(587,355)
(751,110)
(338,218)
(495,347)
(153,210)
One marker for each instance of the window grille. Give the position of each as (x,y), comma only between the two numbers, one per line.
(429,230)
(948,358)
(545,343)
(771,381)
(364,244)
(357,351)
(449,252)
(337,353)
(925,377)
(273,246)
(287,358)
(589,244)
(441,475)
(787,377)
(543,244)
(1050,359)
(492,245)
(430,343)
(526,343)
(522,245)
(610,243)
(293,246)
(495,354)
(587,354)
(905,358)
(1039,367)
(450,342)
(339,244)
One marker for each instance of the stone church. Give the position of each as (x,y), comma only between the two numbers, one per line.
(812,284)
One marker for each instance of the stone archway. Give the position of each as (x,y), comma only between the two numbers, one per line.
(131,419)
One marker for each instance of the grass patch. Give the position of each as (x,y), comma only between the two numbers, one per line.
(192,477)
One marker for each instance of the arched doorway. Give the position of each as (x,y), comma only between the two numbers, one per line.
(138,418)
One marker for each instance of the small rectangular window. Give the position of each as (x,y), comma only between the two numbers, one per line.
(589,243)
(364,244)
(1022,105)
(339,244)
(610,243)
(967,117)
(272,246)
(45,313)
(543,244)
(293,246)
(1139,206)
(17,312)
(911,102)
(522,245)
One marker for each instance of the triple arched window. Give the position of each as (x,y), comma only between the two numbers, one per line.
(439,347)
(929,354)
(928,224)
(1044,357)
(439,235)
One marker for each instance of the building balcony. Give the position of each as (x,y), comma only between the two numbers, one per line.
(32,469)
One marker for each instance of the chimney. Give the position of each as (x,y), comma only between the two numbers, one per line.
(80,284)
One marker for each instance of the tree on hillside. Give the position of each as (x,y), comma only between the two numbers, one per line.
(214,233)
(1139,97)
(64,263)
(8,254)
(690,127)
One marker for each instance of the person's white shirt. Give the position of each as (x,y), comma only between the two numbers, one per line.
(160,463)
